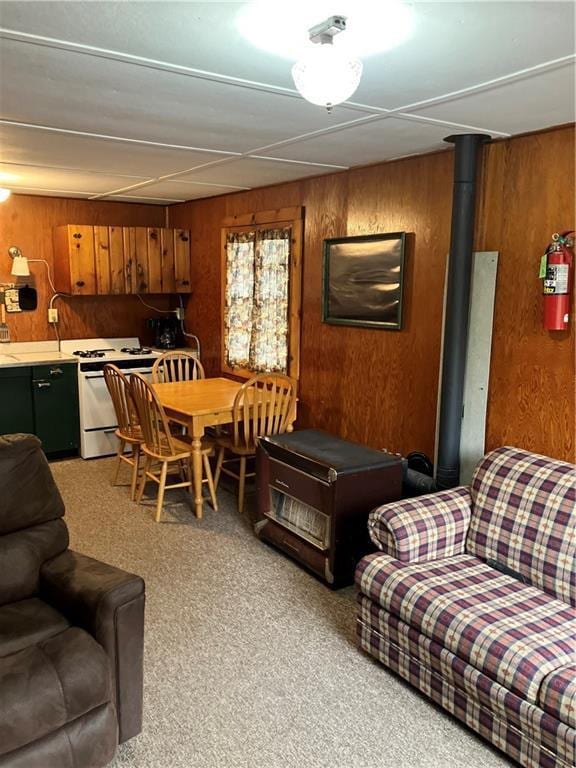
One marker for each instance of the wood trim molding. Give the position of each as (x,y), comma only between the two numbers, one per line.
(278,216)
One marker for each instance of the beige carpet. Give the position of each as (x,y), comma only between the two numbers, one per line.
(250,662)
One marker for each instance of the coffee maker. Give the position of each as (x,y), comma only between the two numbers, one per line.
(167,330)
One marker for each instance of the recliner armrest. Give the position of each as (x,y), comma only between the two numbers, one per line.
(109,604)
(429,527)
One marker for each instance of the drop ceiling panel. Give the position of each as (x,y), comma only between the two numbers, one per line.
(456,45)
(135,198)
(51,192)
(254,172)
(200,35)
(16,176)
(34,146)
(524,105)
(63,89)
(368,143)
(453,44)
(174,190)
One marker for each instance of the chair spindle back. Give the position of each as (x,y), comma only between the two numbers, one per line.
(120,393)
(263,406)
(177,366)
(153,420)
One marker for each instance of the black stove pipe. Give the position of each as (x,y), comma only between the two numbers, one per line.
(457,307)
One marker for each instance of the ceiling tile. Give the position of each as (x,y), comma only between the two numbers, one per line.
(54,87)
(19,176)
(451,46)
(175,190)
(135,198)
(51,192)
(368,143)
(193,34)
(524,105)
(456,45)
(35,146)
(254,172)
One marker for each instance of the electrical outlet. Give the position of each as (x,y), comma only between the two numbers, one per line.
(180,313)
(52,315)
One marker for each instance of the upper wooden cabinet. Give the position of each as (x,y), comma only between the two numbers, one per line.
(91,260)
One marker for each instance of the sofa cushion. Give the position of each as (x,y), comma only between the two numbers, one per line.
(524,519)
(23,553)
(26,623)
(50,684)
(558,694)
(29,493)
(512,632)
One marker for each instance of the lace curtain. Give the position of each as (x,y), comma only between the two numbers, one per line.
(256,311)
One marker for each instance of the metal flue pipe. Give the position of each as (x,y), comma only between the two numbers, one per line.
(457,307)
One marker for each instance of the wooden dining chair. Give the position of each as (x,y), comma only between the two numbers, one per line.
(162,449)
(264,405)
(177,366)
(128,431)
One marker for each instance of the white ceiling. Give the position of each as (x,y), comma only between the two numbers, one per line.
(165,101)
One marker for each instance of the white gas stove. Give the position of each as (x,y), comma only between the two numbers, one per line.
(97,417)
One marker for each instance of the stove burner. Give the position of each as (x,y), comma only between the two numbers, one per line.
(88,353)
(136,350)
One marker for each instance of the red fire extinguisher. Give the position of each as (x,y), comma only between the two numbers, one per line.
(556,271)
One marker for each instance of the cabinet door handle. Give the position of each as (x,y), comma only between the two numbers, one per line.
(56,371)
(42,384)
(80,283)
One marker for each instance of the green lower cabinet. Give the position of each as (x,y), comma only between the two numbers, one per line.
(56,417)
(16,403)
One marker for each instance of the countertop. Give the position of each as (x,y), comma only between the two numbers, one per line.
(21,359)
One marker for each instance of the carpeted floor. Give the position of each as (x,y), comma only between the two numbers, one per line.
(250,662)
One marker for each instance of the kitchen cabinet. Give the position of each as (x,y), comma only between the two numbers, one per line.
(16,405)
(42,400)
(56,416)
(91,260)
(74,260)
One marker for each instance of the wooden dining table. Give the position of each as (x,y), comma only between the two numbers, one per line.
(198,404)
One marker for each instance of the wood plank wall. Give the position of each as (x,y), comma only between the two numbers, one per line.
(28,221)
(380,387)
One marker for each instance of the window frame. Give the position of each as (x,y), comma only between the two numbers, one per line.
(280,218)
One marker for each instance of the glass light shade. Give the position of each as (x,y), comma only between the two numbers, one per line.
(4,194)
(325,76)
(20,266)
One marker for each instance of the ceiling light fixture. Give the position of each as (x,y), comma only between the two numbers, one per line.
(4,194)
(324,75)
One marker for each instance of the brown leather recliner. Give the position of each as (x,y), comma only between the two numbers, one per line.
(71,630)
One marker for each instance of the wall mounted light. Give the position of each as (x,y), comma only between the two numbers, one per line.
(4,194)
(20,267)
(324,75)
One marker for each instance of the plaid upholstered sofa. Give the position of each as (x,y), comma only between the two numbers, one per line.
(472,599)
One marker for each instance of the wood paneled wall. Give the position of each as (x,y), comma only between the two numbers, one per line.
(380,387)
(28,222)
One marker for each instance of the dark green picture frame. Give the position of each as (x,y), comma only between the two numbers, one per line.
(357,273)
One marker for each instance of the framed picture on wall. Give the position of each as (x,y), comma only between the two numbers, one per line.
(363,278)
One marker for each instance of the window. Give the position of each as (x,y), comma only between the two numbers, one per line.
(261,292)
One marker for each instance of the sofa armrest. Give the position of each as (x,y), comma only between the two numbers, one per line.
(428,527)
(109,604)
